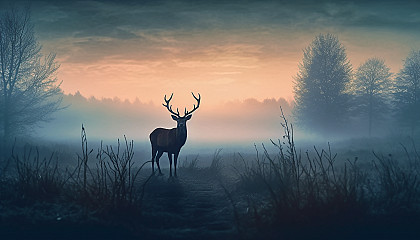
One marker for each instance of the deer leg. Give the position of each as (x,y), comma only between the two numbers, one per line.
(175,161)
(159,154)
(170,164)
(154,151)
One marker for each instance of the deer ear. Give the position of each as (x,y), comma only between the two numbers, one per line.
(174,117)
(188,117)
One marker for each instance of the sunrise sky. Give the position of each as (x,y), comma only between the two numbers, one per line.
(226,50)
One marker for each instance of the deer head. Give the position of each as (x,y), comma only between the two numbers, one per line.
(181,121)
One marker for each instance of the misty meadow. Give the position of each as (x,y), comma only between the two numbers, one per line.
(213,120)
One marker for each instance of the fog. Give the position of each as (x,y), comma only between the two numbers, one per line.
(234,126)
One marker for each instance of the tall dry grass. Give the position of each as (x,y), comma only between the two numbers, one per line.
(293,188)
(104,185)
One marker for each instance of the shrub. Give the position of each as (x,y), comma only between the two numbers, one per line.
(36,177)
(114,185)
(290,188)
(190,165)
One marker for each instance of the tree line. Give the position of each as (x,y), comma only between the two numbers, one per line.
(330,96)
(333,98)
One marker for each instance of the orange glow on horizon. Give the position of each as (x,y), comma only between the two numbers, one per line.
(220,70)
(218,79)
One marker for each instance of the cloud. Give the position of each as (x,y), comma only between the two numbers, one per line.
(251,46)
(107,18)
(101,28)
(227,73)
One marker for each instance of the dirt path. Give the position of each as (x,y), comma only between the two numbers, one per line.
(193,206)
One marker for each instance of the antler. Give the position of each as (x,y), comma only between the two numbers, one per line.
(169,107)
(195,107)
(186,113)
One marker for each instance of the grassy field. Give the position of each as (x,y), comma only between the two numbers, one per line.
(283,194)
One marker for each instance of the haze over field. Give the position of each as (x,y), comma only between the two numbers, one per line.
(241,56)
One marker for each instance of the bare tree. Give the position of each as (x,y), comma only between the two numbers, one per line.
(407,94)
(372,91)
(29,89)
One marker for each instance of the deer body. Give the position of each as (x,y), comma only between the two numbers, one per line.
(170,140)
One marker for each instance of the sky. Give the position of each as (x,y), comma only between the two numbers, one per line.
(241,56)
(225,50)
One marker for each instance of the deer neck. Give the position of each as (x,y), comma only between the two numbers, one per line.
(181,135)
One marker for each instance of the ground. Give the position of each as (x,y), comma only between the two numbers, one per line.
(212,202)
(191,206)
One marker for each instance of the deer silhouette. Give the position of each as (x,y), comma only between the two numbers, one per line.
(171,140)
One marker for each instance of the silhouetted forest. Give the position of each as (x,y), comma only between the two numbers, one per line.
(333,99)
